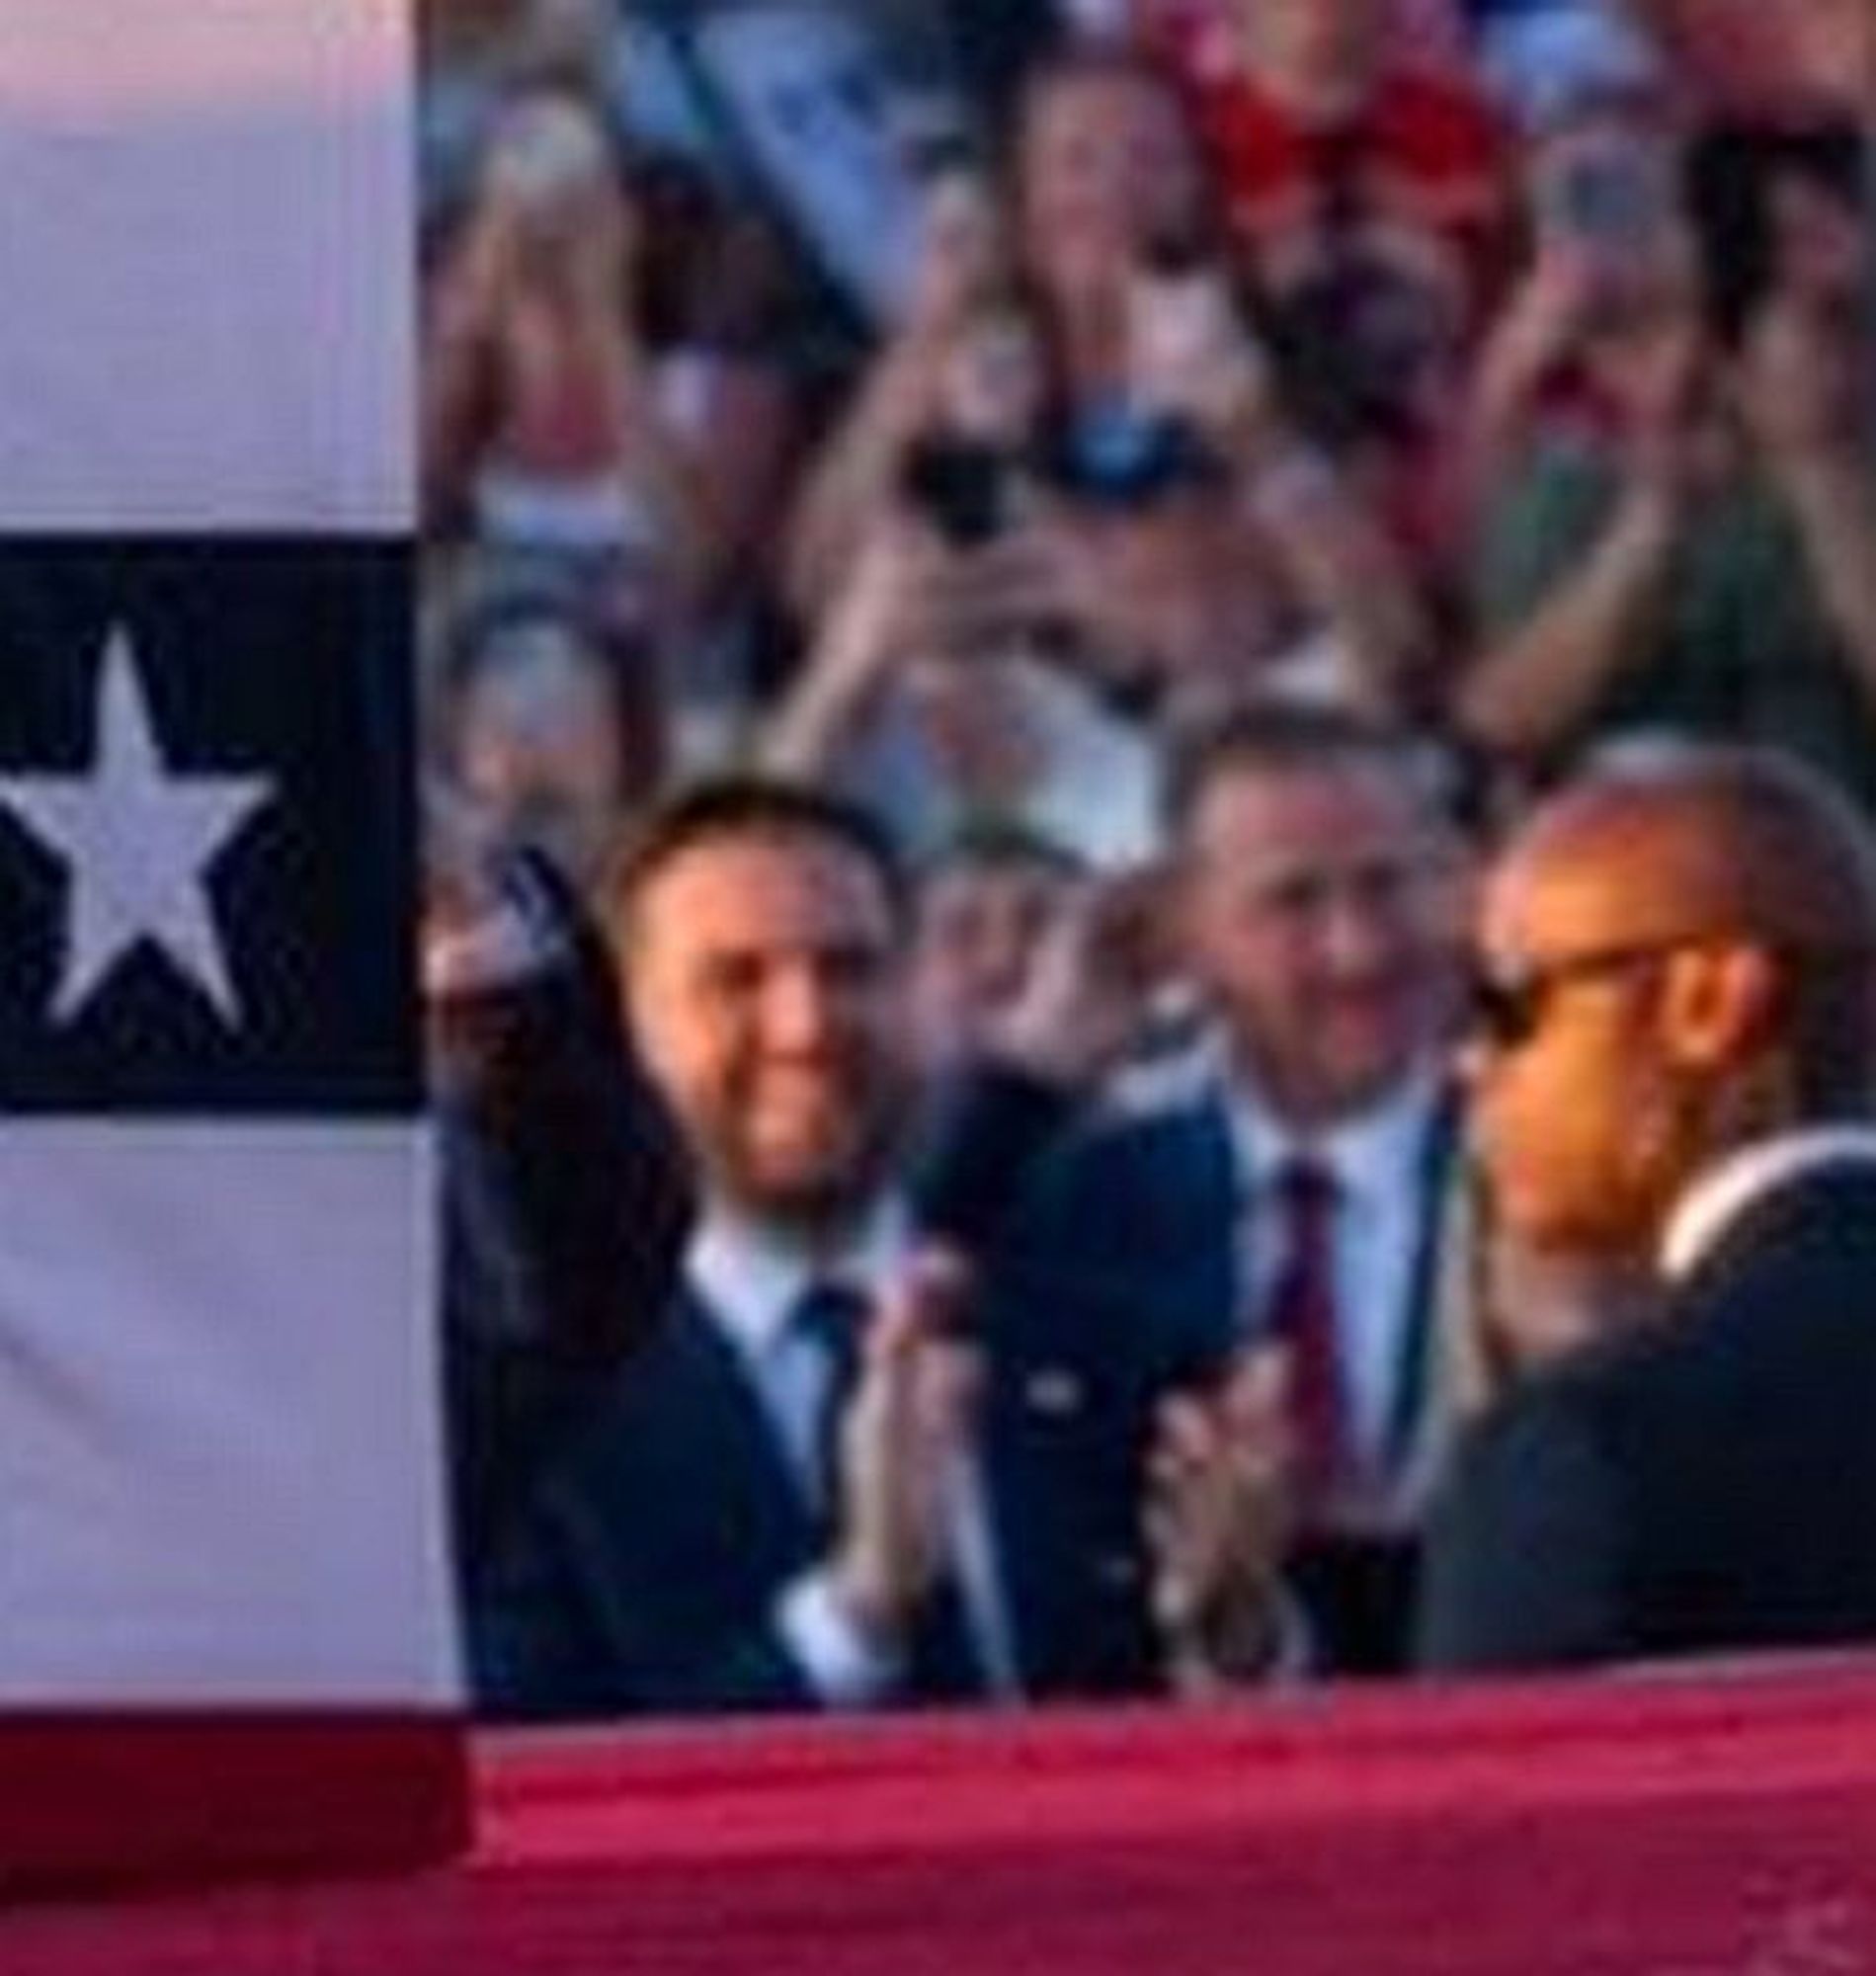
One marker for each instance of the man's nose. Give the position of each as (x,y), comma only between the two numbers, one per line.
(1357,937)
(800,1010)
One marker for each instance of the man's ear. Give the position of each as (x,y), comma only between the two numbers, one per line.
(1719,1004)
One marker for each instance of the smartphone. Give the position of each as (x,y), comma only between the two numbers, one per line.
(1181,320)
(1607,196)
(963,488)
(546,149)
(1127,458)
(961,207)
(961,246)
(1189,349)
(994,385)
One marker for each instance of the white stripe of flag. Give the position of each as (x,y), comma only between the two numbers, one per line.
(219,1465)
(207,231)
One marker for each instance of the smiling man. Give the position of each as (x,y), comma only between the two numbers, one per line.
(1672,1062)
(707,1544)
(1301,1187)
(811,1488)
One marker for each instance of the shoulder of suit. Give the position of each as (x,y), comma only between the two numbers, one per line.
(685,1339)
(1138,1139)
(1798,1265)
(1789,1173)
(1179,1094)
(1143,1116)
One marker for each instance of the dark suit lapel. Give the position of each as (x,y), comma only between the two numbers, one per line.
(1174,1209)
(1206,1206)
(708,1460)
(1439,1310)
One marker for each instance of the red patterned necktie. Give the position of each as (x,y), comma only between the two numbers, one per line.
(1302,1315)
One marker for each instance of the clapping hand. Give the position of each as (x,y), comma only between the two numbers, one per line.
(1221,1484)
(905,1432)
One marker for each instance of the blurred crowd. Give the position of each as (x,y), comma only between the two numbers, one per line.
(995,575)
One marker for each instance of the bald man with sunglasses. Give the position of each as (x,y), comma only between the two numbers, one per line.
(1672,1066)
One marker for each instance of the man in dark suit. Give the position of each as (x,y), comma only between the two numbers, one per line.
(1295,1179)
(1674,1058)
(565,1193)
(786,1502)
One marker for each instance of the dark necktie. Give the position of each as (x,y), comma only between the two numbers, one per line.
(1302,1314)
(834,1316)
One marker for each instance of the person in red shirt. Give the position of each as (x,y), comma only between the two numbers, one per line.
(1371,189)
(1309,107)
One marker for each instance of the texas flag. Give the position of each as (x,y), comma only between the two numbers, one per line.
(225,1623)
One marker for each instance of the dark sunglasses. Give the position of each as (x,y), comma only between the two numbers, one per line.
(1505,1008)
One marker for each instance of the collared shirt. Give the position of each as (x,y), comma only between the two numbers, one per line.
(1378,1160)
(1721,1195)
(752,1282)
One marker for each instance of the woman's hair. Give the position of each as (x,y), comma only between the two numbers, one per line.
(1731,176)
(1074,60)
(478,637)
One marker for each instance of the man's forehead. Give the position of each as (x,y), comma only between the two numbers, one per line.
(1273,867)
(1309,806)
(1595,878)
(1729,844)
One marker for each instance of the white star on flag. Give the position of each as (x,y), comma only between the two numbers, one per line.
(139,843)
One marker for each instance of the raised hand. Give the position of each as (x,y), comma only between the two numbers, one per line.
(1087,998)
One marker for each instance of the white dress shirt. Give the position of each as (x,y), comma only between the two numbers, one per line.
(751,1282)
(1378,1160)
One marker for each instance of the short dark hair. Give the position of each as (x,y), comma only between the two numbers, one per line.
(1282,737)
(504,597)
(1070,61)
(741,808)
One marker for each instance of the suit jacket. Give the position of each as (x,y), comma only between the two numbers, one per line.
(1131,1217)
(1708,1485)
(646,1572)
